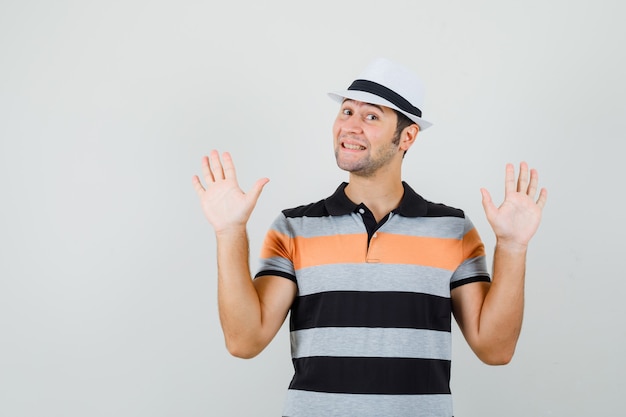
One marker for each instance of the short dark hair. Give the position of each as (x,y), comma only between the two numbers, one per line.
(403,123)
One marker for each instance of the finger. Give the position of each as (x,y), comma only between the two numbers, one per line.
(197,185)
(487,203)
(534,181)
(522,181)
(543,197)
(229,166)
(216,165)
(509,179)
(256,189)
(206,171)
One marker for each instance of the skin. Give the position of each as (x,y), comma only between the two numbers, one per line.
(252,311)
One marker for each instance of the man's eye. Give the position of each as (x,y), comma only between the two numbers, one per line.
(347,112)
(371,117)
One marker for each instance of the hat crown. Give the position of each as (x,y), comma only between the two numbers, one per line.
(397,78)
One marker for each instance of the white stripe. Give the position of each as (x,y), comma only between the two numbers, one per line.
(316,404)
(321,226)
(371,342)
(374,277)
(277,264)
(436,227)
(470,268)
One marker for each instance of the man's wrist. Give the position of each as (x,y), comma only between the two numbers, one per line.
(231,231)
(511,246)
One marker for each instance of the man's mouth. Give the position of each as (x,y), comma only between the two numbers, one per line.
(353,147)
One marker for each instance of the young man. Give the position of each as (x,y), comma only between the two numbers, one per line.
(373,273)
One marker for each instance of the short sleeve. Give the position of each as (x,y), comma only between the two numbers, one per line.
(277,251)
(473,267)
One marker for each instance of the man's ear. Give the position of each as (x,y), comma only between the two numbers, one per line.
(408,136)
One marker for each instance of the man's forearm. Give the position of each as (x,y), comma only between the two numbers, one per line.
(503,308)
(238,300)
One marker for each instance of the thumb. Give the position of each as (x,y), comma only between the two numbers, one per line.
(256,189)
(488,205)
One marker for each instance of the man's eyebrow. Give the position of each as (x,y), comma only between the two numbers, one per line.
(368,104)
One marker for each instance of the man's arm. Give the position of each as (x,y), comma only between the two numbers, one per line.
(490,315)
(251,312)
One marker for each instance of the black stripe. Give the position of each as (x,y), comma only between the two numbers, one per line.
(412,205)
(371,309)
(277,273)
(387,94)
(399,376)
(317,209)
(479,278)
(441,210)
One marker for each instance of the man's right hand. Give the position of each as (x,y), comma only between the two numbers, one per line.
(224,204)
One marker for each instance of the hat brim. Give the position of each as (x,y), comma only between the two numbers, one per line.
(366,97)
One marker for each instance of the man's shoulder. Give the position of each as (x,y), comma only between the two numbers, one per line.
(442,210)
(316,209)
(414,205)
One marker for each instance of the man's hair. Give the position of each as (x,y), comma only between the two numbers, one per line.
(403,122)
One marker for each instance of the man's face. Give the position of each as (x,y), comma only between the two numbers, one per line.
(364,137)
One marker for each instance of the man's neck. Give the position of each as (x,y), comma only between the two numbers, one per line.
(381,194)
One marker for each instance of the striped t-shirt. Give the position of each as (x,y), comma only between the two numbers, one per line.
(371,323)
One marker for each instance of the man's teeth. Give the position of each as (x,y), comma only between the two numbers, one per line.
(353,147)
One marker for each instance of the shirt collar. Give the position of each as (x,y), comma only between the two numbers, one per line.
(411,205)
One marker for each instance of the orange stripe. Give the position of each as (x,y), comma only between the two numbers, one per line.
(414,250)
(332,249)
(276,245)
(384,248)
(472,245)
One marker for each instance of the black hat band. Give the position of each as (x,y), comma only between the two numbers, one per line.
(386,93)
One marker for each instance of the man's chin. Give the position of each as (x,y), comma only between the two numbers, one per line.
(356,171)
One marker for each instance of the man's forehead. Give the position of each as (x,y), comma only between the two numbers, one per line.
(383,109)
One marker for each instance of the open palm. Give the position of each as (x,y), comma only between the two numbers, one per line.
(518,217)
(223,202)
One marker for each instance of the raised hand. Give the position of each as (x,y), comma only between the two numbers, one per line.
(224,204)
(517,219)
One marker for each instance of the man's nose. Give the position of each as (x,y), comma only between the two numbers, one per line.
(352,125)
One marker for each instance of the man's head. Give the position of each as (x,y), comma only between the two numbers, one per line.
(369,137)
(376,125)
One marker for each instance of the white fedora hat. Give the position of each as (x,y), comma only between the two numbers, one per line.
(389,84)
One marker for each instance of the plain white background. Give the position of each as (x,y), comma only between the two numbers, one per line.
(107,266)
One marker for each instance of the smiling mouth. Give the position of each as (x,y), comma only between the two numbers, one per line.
(353,147)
